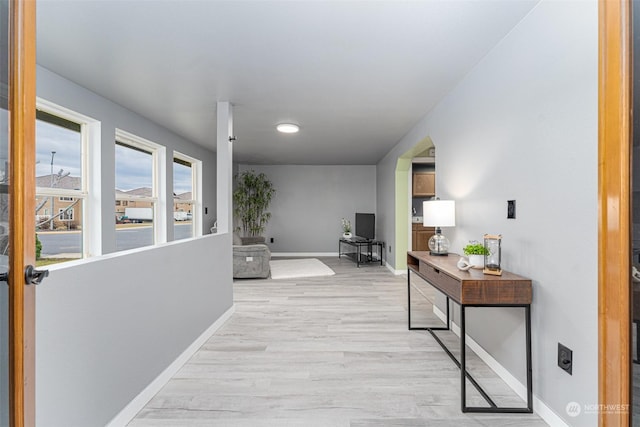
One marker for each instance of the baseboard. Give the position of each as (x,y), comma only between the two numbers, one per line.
(131,410)
(547,414)
(539,407)
(303,254)
(393,270)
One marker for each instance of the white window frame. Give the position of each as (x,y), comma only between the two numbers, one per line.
(196,191)
(158,197)
(90,205)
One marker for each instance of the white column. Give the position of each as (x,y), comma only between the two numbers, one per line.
(224,171)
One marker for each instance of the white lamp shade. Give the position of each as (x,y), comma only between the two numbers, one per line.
(439,213)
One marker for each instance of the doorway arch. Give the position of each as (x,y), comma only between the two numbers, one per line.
(403,200)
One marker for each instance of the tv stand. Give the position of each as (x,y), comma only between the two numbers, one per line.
(364,251)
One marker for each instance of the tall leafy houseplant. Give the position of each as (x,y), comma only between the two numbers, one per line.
(251,200)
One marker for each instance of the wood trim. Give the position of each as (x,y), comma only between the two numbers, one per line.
(22,105)
(614,178)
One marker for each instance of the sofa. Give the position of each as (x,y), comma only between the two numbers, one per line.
(251,261)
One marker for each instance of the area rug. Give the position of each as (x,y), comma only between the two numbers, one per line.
(293,268)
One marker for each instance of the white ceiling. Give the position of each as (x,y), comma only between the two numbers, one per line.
(355,75)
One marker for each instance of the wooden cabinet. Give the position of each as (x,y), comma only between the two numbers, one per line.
(420,236)
(424,184)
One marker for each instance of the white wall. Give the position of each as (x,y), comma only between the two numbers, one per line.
(310,202)
(106,327)
(523,125)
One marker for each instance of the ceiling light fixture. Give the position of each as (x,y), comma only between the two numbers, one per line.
(288,128)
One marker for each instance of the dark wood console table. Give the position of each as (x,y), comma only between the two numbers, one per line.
(472,288)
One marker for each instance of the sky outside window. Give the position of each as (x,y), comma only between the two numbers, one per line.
(67,145)
(182,181)
(134,168)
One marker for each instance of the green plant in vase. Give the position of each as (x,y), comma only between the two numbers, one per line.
(476,252)
(346,228)
(251,200)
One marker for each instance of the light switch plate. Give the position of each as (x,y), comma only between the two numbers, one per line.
(511,209)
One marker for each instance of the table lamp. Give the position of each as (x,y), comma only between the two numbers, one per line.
(439,213)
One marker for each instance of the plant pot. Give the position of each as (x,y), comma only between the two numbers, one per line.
(252,240)
(477,261)
(347,235)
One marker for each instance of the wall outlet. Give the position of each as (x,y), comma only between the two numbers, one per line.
(565,359)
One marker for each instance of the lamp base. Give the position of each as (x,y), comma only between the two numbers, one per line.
(438,253)
(438,244)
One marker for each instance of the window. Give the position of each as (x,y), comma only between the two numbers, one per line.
(60,183)
(186,205)
(137,190)
(65,214)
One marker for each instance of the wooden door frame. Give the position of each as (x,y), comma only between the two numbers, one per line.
(614,196)
(22,108)
(614,149)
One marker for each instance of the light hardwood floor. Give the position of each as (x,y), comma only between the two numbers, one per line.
(326,352)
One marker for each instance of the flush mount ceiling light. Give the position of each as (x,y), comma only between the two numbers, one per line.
(288,128)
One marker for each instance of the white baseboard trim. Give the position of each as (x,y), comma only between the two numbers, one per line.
(303,254)
(131,410)
(393,270)
(539,407)
(547,414)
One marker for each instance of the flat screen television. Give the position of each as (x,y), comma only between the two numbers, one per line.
(366,225)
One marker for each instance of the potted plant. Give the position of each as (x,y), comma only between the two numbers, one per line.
(476,252)
(346,229)
(251,199)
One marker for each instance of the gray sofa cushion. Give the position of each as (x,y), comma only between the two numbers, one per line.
(251,261)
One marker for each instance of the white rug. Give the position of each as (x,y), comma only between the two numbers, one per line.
(292,268)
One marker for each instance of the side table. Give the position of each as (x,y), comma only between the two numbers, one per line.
(365,251)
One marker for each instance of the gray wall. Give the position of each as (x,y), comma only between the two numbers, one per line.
(106,327)
(311,200)
(523,125)
(65,93)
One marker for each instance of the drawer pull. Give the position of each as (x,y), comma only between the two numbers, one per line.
(436,271)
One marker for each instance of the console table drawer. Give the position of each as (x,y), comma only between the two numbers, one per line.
(440,280)
(503,292)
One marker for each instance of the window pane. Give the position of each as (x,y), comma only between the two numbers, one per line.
(58,153)
(134,171)
(59,166)
(134,178)
(182,221)
(182,194)
(182,178)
